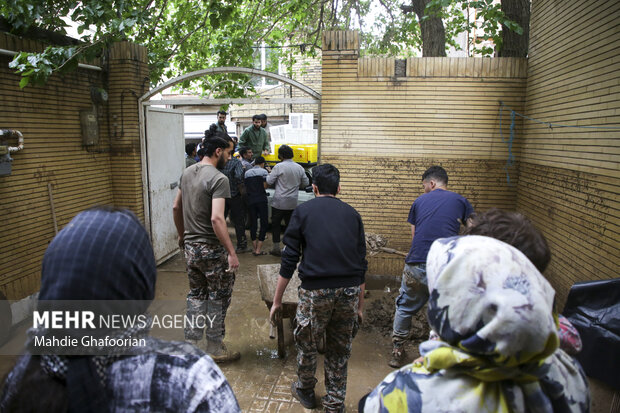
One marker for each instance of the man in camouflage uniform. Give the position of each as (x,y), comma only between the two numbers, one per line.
(332,272)
(198,213)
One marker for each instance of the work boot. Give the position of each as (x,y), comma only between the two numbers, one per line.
(305,397)
(219,353)
(398,357)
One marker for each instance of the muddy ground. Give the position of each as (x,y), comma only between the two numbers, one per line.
(261,380)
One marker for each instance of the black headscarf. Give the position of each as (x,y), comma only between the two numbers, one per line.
(103,254)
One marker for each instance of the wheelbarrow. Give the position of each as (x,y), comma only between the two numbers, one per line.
(267,280)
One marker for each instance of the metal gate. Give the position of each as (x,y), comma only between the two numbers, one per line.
(163,149)
(165,163)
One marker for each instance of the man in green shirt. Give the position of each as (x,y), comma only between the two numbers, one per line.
(255,138)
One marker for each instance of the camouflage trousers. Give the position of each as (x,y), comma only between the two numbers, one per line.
(210,289)
(332,311)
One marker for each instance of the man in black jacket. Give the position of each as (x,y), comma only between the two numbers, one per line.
(328,235)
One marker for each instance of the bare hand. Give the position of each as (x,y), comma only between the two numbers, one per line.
(266,152)
(181,243)
(275,314)
(233,263)
(360,317)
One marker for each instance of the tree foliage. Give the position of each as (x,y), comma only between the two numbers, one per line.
(488,19)
(184,36)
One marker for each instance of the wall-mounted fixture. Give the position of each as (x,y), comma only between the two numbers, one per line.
(6,150)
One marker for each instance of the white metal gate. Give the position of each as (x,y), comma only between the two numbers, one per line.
(165,163)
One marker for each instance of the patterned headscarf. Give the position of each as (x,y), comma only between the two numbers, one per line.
(498,343)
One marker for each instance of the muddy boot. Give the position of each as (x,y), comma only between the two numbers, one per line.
(305,397)
(398,357)
(219,353)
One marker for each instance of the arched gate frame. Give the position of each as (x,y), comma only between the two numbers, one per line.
(162,147)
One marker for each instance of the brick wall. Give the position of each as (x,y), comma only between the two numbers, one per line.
(54,157)
(384,122)
(569,179)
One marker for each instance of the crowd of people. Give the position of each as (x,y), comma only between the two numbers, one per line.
(496,344)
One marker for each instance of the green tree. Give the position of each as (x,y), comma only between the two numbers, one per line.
(184,36)
(506,24)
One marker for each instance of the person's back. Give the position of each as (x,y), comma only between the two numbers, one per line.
(255,183)
(328,235)
(200,183)
(436,214)
(333,241)
(287,177)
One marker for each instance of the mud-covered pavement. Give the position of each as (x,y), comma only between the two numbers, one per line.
(261,380)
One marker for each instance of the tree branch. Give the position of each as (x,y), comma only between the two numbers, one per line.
(187,36)
(247,30)
(156,22)
(78,51)
(260,39)
(385,6)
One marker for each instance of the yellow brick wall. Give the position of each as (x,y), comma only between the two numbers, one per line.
(383,130)
(48,117)
(80,177)
(569,177)
(307,70)
(128,80)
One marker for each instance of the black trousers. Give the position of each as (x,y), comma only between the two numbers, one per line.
(277,215)
(234,205)
(258,211)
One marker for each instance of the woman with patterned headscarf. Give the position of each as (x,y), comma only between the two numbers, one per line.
(103,260)
(498,347)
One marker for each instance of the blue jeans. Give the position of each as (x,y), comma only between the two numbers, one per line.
(413,295)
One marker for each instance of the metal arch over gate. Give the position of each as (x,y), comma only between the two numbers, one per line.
(155,185)
(316,96)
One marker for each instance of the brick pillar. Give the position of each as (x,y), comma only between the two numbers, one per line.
(128,80)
